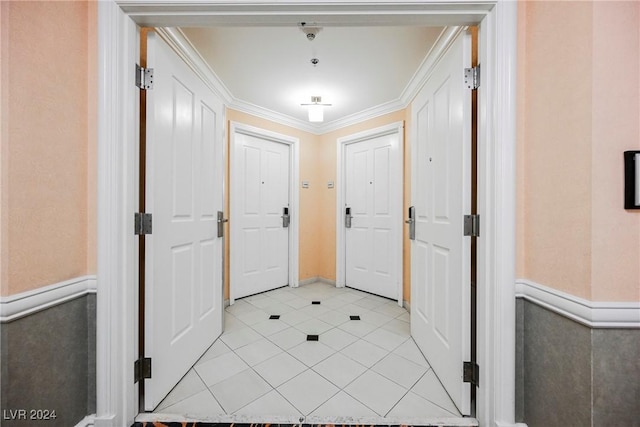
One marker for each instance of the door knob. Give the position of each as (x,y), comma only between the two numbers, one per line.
(347,218)
(286,219)
(412,223)
(221,221)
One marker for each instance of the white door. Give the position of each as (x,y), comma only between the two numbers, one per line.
(260,181)
(440,254)
(184,192)
(373,196)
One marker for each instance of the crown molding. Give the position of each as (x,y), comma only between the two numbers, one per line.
(185,49)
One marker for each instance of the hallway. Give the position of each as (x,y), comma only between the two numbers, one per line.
(363,370)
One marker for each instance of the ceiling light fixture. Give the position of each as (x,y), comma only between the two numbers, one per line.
(316,109)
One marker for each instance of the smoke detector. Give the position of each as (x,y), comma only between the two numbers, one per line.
(310,30)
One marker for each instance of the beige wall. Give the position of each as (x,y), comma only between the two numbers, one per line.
(579,110)
(48,137)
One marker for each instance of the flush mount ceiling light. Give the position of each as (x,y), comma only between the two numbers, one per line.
(316,109)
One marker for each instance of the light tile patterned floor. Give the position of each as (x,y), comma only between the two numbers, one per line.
(357,368)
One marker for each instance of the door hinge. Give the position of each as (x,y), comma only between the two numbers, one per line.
(144,78)
(472,225)
(470,373)
(472,77)
(143,223)
(142,369)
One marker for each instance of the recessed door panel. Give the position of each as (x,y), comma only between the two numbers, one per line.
(208,271)
(182,141)
(208,182)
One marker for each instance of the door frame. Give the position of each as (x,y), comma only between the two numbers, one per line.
(117,170)
(341,241)
(294,192)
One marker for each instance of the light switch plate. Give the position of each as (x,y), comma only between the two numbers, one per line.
(330,184)
(305,184)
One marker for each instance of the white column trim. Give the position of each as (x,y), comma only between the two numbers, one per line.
(87,421)
(496,205)
(14,307)
(116,341)
(594,314)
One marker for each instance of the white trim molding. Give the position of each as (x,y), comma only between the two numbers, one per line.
(88,421)
(594,314)
(14,307)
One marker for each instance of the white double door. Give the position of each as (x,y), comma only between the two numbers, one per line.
(373,199)
(184,182)
(260,203)
(440,254)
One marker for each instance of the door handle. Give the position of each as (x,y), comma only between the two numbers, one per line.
(221,221)
(286,219)
(412,223)
(347,218)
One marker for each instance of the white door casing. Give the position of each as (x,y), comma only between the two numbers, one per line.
(262,249)
(116,395)
(440,254)
(184,259)
(370,185)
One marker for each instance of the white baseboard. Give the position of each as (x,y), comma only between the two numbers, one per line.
(594,314)
(315,279)
(13,307)
(88,421)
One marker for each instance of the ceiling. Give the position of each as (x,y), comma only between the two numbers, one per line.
(362,71)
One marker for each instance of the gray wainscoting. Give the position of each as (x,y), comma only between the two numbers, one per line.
(49,363)
(568,374)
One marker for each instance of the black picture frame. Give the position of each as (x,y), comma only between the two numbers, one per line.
(632,179)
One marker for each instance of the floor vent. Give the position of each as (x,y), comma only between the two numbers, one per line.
(312,337)
(274,317)
(315,302)
(354,317)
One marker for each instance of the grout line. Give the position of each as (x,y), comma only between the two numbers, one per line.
(316,293)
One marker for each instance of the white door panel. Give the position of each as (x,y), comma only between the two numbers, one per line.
(440,254)
(372,172)
(183,264)
(260,243)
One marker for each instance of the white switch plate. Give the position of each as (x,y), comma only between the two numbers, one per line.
(330,184)
(305,184)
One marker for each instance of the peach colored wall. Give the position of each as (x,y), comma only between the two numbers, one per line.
(4,147)
(45,127)
(615,238)
(92,138)
(310,234)
(578,111)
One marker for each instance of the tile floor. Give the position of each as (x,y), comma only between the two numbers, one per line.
(260,367)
